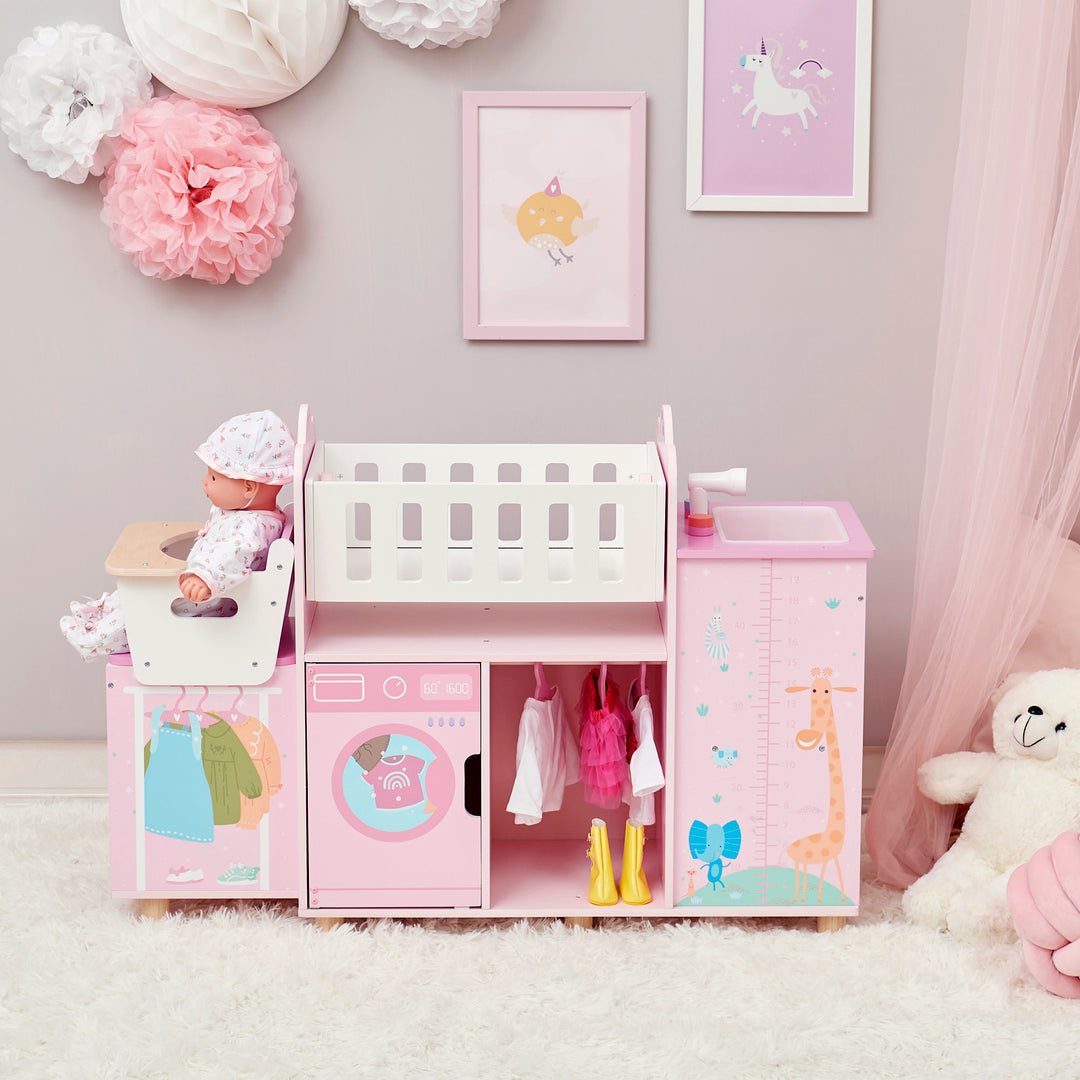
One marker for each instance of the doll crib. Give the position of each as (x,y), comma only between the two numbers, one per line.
(485,523)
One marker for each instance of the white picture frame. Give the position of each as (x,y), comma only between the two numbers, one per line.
(731,164)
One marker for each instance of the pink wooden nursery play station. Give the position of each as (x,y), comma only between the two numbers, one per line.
(360,753)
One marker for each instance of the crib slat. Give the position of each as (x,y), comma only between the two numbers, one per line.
(486,558)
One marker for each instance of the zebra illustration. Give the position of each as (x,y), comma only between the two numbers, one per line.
(716,644)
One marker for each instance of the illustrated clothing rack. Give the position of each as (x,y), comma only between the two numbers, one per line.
(140,694)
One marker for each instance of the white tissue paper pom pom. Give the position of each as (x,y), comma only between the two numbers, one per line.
(236,53)
(63,96)
(429,23)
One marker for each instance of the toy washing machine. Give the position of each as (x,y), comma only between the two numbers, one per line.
(393,787)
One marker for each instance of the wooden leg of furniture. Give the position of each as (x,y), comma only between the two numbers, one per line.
(154,909)
(829,924)
(329,923)
(584,921)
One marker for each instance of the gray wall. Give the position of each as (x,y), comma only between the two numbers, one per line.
(113,378)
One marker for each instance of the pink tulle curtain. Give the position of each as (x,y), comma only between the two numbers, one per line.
(1002,488)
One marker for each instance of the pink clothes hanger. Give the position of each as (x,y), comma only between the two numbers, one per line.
(544,691)
(176,704)
(202,701)
(603,683)
(638,689)
(236,703)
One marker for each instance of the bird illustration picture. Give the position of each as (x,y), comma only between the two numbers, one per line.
(550,221)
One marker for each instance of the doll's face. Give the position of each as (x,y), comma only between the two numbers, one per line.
(225,492)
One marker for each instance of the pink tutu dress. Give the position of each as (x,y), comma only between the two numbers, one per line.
(606,727)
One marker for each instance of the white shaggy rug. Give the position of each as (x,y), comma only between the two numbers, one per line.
(90,991)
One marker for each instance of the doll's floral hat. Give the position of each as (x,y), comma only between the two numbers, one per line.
(255,446)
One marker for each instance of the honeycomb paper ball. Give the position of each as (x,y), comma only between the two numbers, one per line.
(239,53)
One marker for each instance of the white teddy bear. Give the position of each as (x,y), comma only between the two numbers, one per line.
(1023,796)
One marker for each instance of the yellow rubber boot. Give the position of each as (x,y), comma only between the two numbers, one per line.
(602,878)
(633,886)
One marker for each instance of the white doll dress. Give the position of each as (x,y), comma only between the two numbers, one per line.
(646,773)
(547,760)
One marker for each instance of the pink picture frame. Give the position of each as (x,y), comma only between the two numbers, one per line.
(554,215)
(778,105)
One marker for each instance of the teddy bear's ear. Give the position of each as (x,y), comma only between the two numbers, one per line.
(1014,678)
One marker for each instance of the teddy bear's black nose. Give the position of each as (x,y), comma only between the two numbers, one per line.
(1035,710)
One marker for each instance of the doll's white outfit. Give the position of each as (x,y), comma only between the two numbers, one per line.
(231,545)
(96,627)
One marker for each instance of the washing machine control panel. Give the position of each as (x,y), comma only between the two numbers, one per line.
(392,687)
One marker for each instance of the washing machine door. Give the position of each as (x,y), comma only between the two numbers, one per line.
(393,778)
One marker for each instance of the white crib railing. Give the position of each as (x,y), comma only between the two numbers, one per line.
(485,523)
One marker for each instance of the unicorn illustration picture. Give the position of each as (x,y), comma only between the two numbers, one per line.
(772,99)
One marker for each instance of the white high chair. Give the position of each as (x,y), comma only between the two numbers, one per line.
(170,649)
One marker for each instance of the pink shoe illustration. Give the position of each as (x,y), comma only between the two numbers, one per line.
(182,875)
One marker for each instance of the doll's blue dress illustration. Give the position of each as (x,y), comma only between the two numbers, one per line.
(177,795)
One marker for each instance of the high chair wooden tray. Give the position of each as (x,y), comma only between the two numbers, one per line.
(145,549)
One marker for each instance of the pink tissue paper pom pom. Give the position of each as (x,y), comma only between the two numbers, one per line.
(199,190)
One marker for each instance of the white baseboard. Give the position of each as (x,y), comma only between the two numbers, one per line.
(79,769)
(33,769)
(871,770)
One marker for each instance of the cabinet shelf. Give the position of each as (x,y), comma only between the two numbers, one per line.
(551,877)
(503,633)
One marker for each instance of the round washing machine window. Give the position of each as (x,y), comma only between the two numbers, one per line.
(393,783)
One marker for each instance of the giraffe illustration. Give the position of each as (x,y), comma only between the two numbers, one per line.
(690,874)
(822,847)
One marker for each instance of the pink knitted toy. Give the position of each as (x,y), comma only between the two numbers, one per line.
(1044,897)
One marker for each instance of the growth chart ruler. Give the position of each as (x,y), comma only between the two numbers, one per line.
(767,806)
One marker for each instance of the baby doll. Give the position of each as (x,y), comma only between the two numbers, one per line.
(248,459)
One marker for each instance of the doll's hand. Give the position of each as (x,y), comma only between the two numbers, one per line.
(193,588)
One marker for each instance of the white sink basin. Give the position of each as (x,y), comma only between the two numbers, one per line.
(779,525)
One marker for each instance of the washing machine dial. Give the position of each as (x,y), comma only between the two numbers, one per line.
(394,687)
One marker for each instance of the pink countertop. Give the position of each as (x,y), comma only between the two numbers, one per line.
(857,544)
